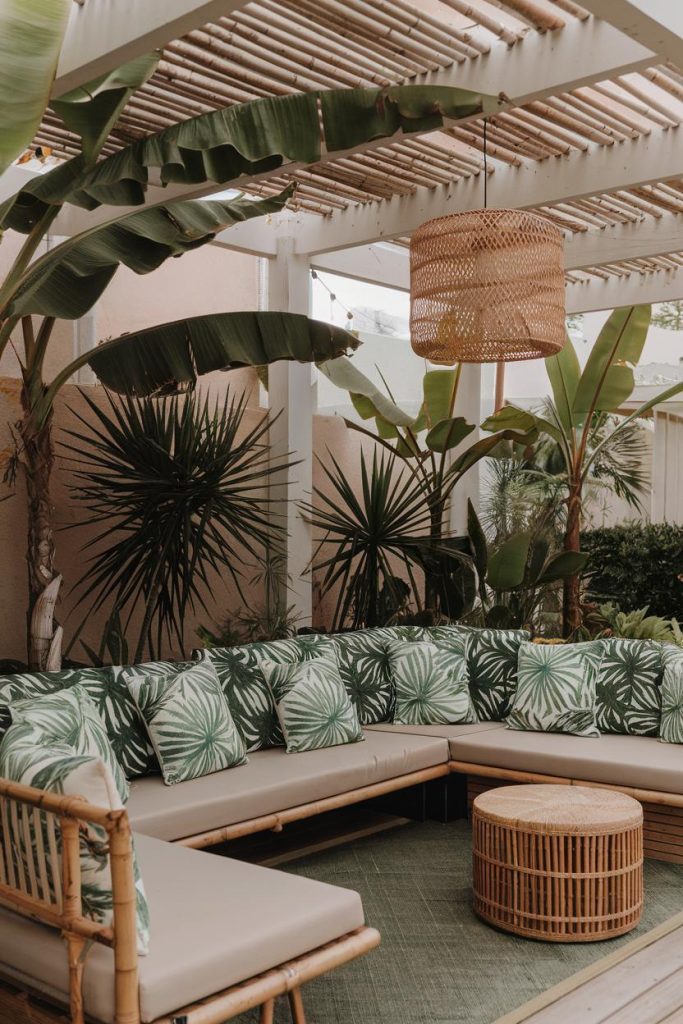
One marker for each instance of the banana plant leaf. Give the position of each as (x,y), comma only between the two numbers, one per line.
(31,34)
(70,278)
(92,110)
(447,434)
(563,565)
(438,388)
(170,357)
(244,139)
(367,398)
(564,373)
(507,565)
(607,379)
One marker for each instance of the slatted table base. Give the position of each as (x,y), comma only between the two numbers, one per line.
(555,869)
(662,824)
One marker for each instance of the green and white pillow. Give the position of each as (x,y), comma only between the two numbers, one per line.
(58,769)
(70,717)
(312,704)
(492,666)
(629,697)
(363,663)
(671,724)
(556,689)
(189,721)
(430,683)
(125,728)
(244,684)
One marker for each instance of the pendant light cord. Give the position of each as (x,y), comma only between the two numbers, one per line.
(486,172)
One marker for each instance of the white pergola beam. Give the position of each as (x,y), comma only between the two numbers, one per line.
(373,264)
(613,292)
(656,24)
(103,34)
(539,65)
(599,169)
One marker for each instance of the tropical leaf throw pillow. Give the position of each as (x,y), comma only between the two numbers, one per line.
(125,728)
(70,717)
(312,704)
(430,683)
(189,721)
(556,689)
(57,768)
(363,661)
(243,682)
(671,724)
(629,697)
(492,666)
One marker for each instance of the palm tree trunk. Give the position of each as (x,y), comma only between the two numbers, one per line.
(434,569)
(571,611)
(37,459)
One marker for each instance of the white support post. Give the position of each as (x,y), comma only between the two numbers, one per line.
(467,404)
(85,340)
(291,393)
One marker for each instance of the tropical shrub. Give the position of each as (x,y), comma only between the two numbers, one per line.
(636,564)
(607,620)
(576,421)
(432,446)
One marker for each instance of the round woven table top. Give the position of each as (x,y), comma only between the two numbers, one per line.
(545,808)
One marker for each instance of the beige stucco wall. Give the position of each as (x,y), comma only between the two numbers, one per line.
(208,280)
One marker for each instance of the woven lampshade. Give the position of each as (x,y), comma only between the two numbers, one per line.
(487,286)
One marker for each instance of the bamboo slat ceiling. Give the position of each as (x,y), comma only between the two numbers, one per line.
(276,47)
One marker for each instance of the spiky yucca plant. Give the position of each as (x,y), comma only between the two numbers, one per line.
(174,489)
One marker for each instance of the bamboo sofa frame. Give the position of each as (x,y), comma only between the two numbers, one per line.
(22,807)
(663,812)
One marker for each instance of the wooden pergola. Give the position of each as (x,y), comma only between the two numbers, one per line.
(591,102)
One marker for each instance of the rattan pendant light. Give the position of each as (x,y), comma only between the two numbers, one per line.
(487,286)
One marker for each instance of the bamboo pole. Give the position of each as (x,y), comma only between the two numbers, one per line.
(279,981)
(278,820)
(125,924)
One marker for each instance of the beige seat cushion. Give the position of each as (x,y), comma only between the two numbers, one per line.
(446,732)
(639,761)
(273,781)
(214,922)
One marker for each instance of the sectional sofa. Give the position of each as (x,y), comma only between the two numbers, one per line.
(226,935)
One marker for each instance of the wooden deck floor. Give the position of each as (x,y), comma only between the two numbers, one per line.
(641,983)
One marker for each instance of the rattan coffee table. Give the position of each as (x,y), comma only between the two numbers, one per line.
(560,863)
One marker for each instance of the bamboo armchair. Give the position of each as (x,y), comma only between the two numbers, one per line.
(22,886)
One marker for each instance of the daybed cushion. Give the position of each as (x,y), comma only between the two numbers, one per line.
(273,781)
(216,922)
(639,761)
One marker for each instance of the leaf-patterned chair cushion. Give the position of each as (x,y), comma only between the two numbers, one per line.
(556,689)
(70,717)
(312,704)
(492,666)
(430,681)
(363,661)
(671,725)
(629,697)
(125,728)
(56,767)
(240,674)
(189,720)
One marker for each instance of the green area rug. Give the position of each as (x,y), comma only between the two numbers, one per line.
(438,964)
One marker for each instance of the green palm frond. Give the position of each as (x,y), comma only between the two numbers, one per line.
(369,535)
(182,481)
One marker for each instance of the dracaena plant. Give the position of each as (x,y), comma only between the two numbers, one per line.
(433,450)
(64,283)
(172,490)
(581,419)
